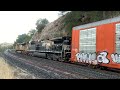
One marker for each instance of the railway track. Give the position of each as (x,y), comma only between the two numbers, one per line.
(49,69)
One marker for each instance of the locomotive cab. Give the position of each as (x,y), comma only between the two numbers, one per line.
(66,48)
(61,48)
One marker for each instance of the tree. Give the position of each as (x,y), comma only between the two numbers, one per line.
(41,23)
(23,38)
(31,32)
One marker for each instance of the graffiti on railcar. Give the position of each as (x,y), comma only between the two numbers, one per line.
(86,57)
(115,57)
(102,57)
(92,58)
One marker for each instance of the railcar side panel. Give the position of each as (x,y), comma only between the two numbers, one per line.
(75,44)
(106,42)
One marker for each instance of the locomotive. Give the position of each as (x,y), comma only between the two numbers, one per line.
(56,49)
(96,43)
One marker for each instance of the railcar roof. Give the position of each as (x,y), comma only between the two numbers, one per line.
(60,38)
(110,20)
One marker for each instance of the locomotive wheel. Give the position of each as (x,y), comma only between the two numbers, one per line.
(50,56)
(59,59)
(46,56)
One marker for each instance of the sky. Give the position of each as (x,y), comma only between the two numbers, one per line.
(14,23)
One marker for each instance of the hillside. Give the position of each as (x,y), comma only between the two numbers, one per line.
(4,46)
(53,29)
(63,25)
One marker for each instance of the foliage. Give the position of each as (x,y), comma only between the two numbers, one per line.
(31,32)
(41,23)
(3,48)
(75,18)
(25,37)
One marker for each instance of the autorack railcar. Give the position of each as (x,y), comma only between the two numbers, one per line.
(97,43)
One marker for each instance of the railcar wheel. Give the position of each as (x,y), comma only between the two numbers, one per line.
(89,65)
(103,68)
(94,67)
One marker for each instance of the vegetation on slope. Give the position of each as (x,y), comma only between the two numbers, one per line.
(5,70)
(40,24)
(63,25)
(76,18)
(4,46)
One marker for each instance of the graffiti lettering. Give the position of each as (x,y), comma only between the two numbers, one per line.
(115,57)
(86,58)
(102,57)
(91,58)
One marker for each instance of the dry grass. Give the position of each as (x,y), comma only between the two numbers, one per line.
(10,72)
(6,71)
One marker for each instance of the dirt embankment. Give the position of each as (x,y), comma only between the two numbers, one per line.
(10,72)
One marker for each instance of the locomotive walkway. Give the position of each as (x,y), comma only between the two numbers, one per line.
(49,69)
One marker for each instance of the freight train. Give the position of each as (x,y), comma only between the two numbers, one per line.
(56,49)
(96,43)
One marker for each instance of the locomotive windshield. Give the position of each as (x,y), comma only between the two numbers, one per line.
(66,42)
(32,42)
